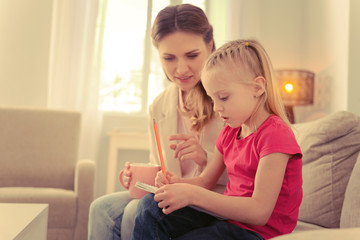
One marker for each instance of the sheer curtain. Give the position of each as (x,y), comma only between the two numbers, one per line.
(73,73)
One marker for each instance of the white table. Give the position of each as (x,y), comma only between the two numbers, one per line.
(23,221)
(324,234)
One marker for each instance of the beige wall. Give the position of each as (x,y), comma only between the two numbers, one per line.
(353,99)
(318,35)
(24,51)
(301,34)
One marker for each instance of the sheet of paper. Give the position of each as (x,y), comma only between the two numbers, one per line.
(146,187)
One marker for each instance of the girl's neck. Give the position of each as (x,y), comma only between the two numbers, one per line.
(248,128)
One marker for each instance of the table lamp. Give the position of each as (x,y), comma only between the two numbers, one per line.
(296,89)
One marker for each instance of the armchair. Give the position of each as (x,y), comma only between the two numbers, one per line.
(39,164)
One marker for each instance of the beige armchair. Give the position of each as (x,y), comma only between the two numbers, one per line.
(39,164)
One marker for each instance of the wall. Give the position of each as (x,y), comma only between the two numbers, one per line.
(321,48)
(24,47)
(353,99)
(300,34)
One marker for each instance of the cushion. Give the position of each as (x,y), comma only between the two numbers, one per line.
(330,146)
(303,226)
(350,214)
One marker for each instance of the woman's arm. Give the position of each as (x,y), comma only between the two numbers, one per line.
(254,210)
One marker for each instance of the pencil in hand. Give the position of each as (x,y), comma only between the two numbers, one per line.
(159,149)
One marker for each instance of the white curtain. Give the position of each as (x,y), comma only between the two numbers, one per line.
(73,74)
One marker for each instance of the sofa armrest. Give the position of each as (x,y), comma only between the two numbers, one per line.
(323,234)
(350,214)
(84,190)
(85,178)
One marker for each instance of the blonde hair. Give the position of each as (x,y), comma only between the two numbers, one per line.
(188,18)
(253,57)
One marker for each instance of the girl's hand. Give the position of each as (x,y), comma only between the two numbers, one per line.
(127,175)
(172,197)
(160,179)
(188,148)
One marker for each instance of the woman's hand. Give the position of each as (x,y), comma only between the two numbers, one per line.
(161,180)
(127,175)
(172,197)
(188,148)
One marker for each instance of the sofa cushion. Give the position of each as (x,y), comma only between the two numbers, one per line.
(351,208)
(330,146)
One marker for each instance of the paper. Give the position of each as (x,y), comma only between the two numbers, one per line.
(145,187)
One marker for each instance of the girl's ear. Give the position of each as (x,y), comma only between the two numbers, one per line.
(259,86)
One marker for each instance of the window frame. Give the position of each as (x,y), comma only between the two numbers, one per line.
(147,55)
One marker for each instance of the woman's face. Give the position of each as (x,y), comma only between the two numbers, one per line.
(182,55)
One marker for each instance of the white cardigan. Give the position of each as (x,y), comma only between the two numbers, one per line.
(164,111)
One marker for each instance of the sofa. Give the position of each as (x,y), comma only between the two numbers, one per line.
(39,164)
(331,177)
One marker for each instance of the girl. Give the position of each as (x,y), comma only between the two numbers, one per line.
(183,112)
(257,147)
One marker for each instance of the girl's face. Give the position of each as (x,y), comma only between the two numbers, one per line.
(233,94)
(182,55)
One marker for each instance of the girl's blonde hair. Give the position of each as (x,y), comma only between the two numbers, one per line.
(191,19)
(250,55)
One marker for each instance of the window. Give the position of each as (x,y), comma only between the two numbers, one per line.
(131,74)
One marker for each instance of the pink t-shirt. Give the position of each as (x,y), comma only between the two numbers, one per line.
(241,157)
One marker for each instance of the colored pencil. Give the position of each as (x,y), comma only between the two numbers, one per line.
(159,149)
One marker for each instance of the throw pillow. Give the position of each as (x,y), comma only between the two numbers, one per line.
(330,146)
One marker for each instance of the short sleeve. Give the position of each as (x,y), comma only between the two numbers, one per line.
(278,137)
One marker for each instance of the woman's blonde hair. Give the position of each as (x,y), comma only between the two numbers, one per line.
(192,19)
(253,57)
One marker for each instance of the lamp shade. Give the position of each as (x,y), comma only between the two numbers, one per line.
(296,86)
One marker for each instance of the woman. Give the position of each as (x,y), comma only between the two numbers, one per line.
(183,112)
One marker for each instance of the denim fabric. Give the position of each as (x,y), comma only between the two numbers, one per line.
(109,217)
(128,220)
(185,224)
(221,230)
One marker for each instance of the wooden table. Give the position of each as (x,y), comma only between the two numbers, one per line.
(23,221)
(122,140)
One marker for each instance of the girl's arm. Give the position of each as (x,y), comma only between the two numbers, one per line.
(254,210)
(179,191)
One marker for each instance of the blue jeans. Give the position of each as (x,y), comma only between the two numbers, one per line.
(112,217)
(185,224)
